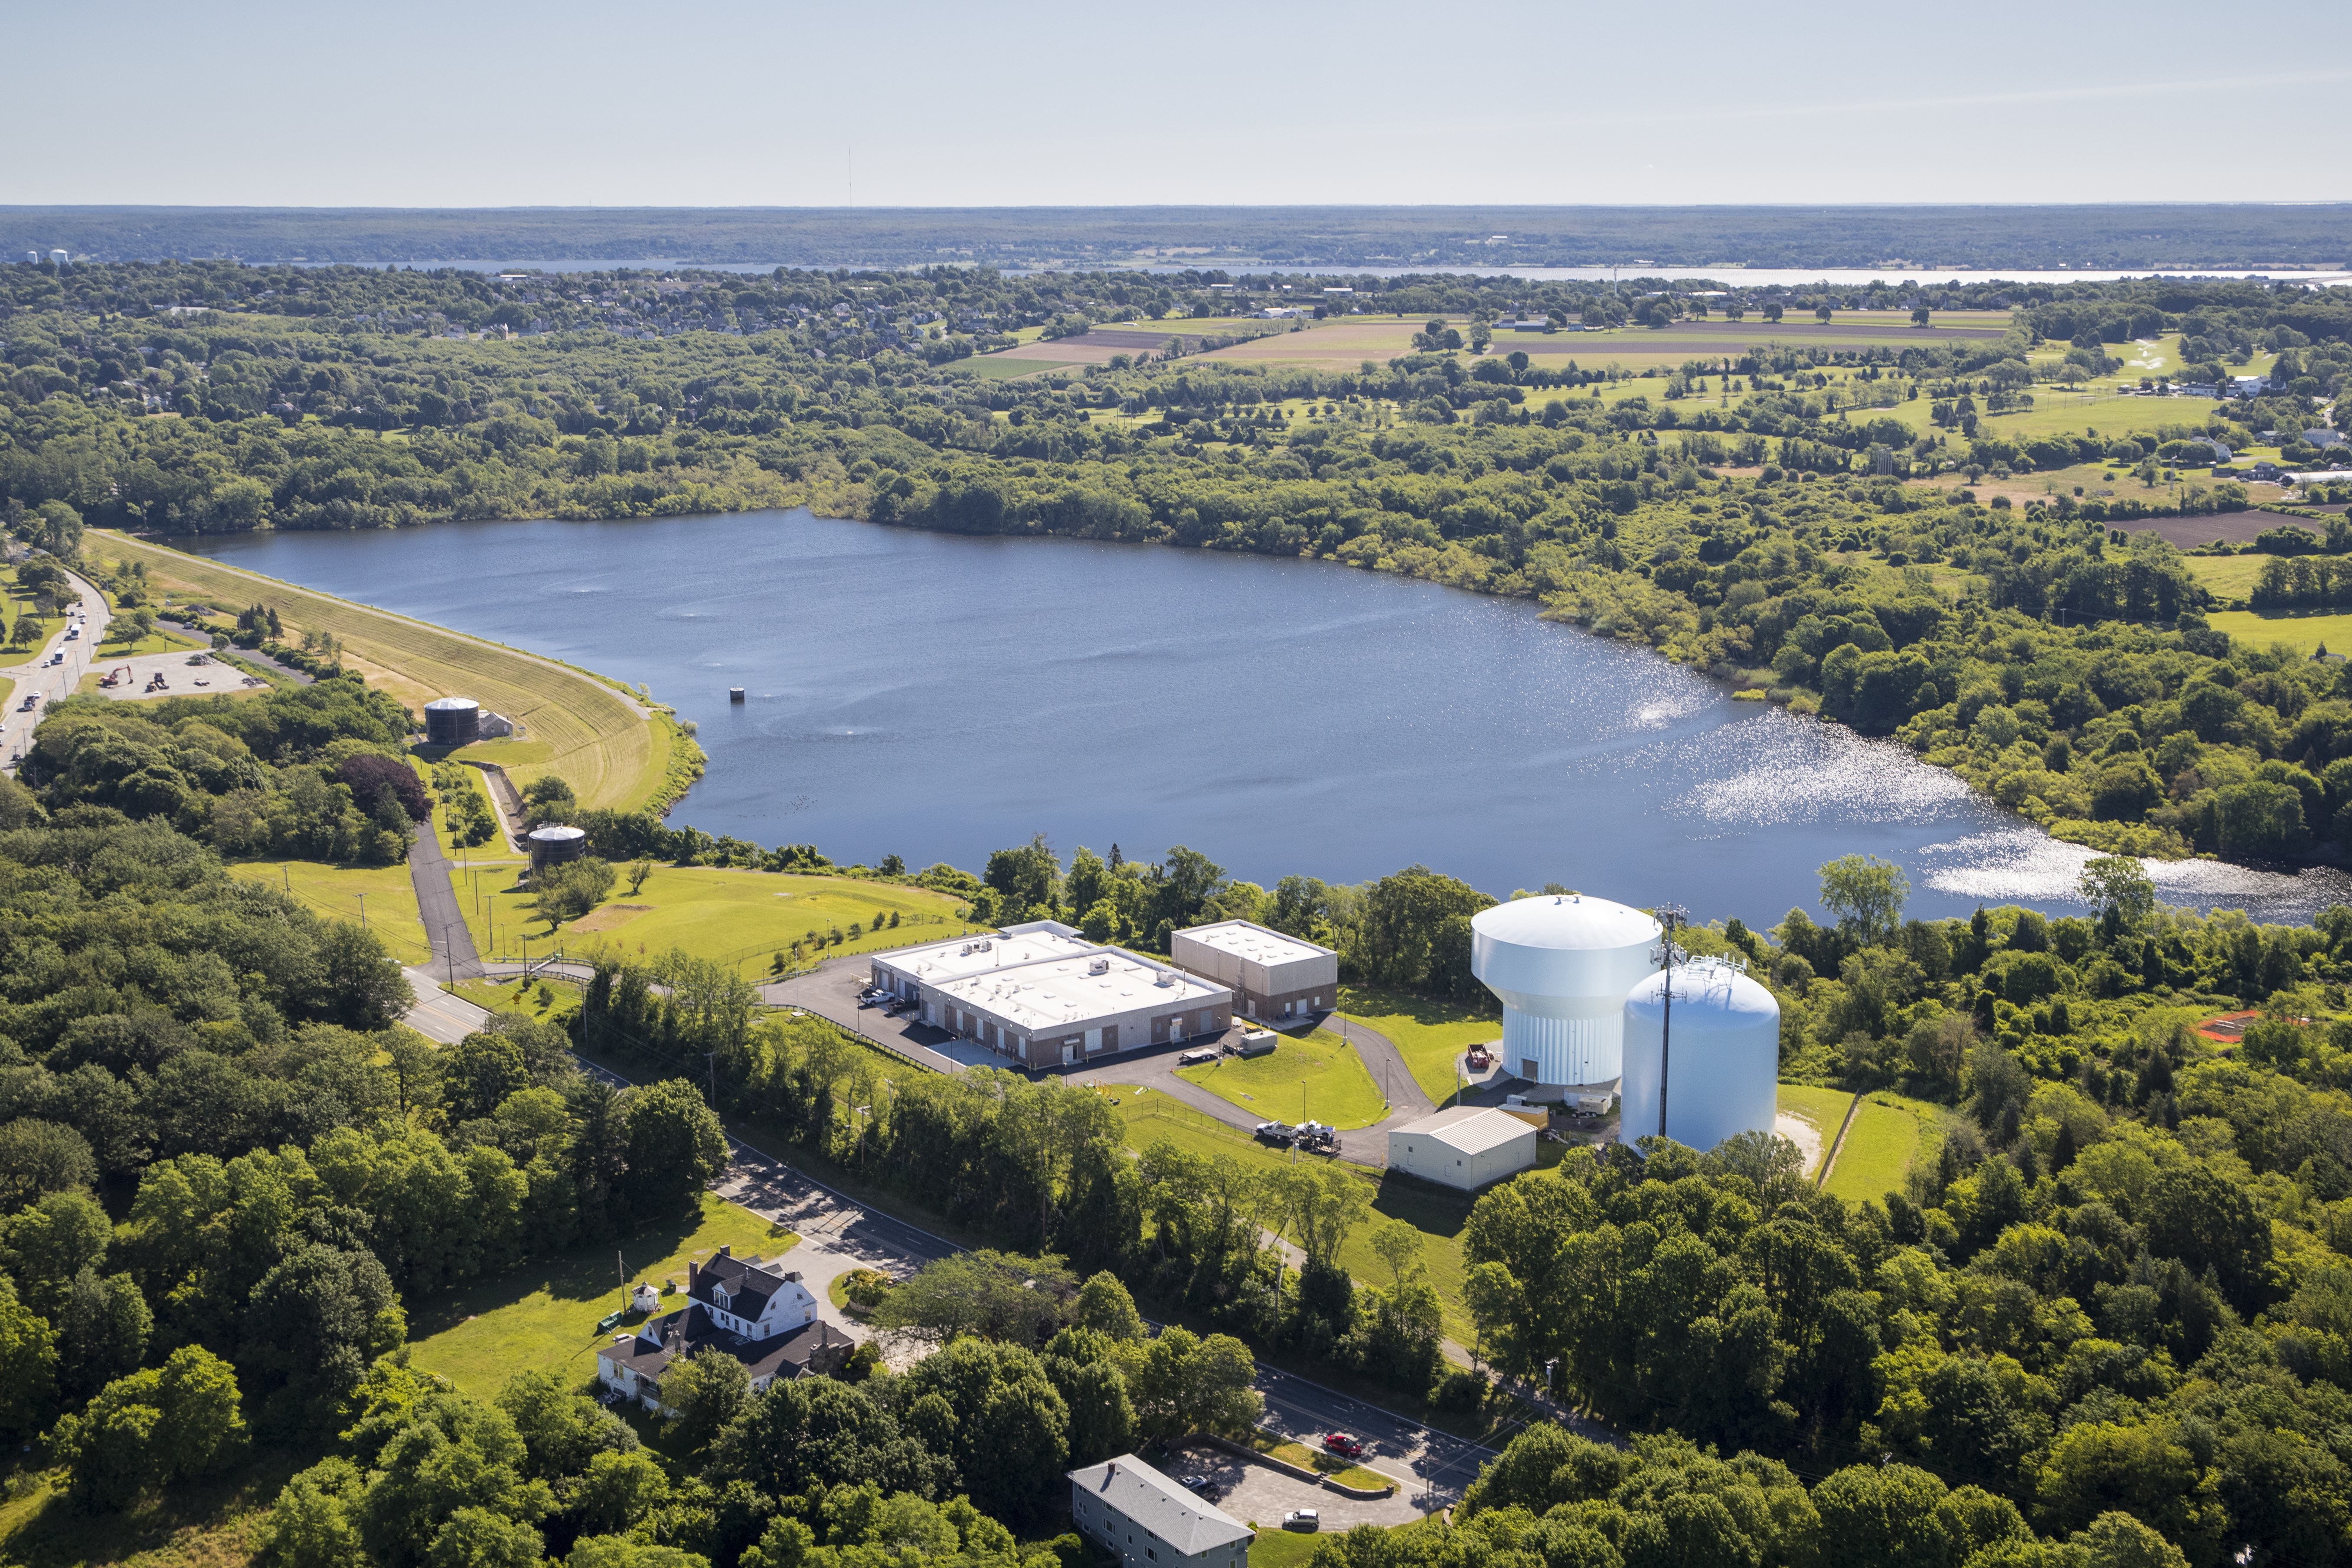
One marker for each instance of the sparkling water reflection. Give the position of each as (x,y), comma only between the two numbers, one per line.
(938,697)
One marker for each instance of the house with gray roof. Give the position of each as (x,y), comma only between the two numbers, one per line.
(1150,1521)
(760,1313)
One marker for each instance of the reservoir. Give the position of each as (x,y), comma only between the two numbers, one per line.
(937,697)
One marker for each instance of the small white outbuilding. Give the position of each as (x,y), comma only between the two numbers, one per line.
(1463,1146)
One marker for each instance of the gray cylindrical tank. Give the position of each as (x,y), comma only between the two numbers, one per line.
(1561,965)
(1723,1069)
(554,844)
(453,721)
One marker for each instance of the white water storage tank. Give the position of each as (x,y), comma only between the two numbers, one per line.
(1562,965)
(1724,1070)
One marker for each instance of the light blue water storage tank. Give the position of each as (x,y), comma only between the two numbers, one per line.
(1722,1070)
(1561,965)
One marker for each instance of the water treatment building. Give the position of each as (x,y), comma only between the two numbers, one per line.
(1044,996)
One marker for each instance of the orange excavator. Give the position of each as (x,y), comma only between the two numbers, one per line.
(117,676)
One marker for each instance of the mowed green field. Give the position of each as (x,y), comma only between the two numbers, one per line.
(1439,1216)
(2304,632)
(334,892)
(1821,1109)
(1889,1132)
(1430,1035)
(739,918)
(541,1315)
(1316,1076)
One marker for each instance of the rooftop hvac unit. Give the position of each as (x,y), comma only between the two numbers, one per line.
(1165,977)
(1099,966)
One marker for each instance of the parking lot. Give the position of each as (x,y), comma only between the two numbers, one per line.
(1256,1493)
(183,673)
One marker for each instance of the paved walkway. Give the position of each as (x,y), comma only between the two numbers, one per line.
(45,682)
(454,958)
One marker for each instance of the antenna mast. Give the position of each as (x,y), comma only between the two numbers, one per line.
(1669,916)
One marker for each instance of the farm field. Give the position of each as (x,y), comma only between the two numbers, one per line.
(1439,1216)
(541,1315)
(1315,1076)
(743,918)
(1428,1034)
(1888,1133)
(2231,576)
(334,892)
(1822,1109)
(2304,632)
(596,739)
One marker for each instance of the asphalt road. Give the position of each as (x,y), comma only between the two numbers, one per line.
(436,909)
(39,678)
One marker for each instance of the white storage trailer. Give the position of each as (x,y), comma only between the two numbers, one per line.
(1722,1056)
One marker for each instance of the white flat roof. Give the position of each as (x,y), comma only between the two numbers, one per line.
(942,961)
(1255,942)
(1471,1129)
(1057,993)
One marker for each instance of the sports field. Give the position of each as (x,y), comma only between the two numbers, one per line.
(741,918)
(1316,1077)
(612,753)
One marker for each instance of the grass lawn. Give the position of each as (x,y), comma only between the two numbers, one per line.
(1429,1034)
(596,738)
(444,816)
(542,1316)
(2301,632)
(334,892)
(1275,1547)
(739,918)
(1317,1460)
(1823,1108)
(1888,1133)
(1439,1214)
(118,643)
(1316,1077)
(2231,576)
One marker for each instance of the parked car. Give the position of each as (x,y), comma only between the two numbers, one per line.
(1302,1519)
(1341,1444)
(1201,1484)
(1275,1131)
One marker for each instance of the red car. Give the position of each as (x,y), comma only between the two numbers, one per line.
(1340,1443)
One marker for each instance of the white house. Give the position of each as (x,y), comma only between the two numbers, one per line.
(1150,1521)
(757,1312)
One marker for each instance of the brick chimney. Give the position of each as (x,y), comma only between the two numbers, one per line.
(693,1275)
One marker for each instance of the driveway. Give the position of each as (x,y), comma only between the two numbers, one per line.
(1261,1495)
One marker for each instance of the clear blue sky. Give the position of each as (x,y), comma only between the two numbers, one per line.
(1040,102)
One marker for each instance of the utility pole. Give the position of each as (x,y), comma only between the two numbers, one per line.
(1669,916)
(362,909)
(450,954)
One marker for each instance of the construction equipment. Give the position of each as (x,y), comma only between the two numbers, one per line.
(116,677)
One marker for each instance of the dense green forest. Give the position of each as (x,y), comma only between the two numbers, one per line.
(2175,236)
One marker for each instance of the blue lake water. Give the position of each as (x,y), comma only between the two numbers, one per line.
(937,697)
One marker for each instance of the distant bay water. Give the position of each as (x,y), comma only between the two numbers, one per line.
(937,697)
